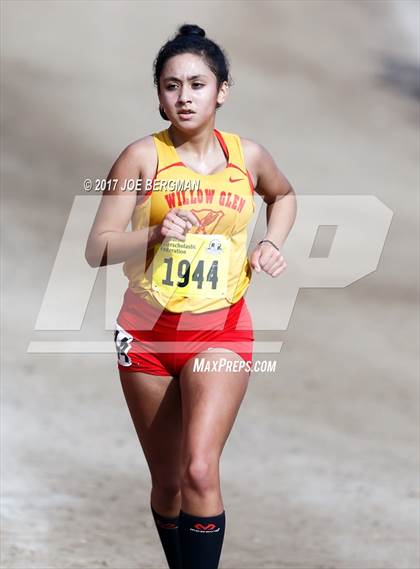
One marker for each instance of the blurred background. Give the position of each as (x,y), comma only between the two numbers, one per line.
(323,458)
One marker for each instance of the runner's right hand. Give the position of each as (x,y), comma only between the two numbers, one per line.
(176,223)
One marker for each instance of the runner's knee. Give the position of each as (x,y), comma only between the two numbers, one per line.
(201,475)
(166,487)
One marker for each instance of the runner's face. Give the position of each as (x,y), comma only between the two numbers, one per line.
(187,82)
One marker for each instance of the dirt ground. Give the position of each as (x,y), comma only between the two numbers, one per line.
(321,469)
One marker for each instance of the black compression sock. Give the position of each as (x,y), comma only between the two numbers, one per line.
(169,537)
(201,540)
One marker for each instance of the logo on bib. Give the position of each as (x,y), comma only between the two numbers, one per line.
(215,246)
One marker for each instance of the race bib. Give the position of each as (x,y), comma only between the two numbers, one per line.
(197,267)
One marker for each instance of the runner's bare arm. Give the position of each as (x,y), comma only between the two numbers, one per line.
(108,242)
(276,190)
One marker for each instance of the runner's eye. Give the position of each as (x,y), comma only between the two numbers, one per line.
(198,84)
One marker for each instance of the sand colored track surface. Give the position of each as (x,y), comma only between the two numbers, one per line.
(320,471)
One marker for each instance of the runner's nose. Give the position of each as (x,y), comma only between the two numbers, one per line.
(184,95)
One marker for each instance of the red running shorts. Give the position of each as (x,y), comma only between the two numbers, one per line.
(159,342)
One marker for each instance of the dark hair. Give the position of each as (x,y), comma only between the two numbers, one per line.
(192,39)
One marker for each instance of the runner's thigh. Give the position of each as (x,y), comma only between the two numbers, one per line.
(210,403)
(155,407)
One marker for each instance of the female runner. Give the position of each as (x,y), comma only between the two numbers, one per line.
(188,271)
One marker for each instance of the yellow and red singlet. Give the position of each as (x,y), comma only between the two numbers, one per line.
(210,270)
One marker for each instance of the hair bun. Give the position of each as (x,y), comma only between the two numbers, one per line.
(191,30)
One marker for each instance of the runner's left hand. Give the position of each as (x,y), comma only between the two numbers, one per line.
(266,257)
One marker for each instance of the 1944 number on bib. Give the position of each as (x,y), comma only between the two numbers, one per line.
(196,267)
